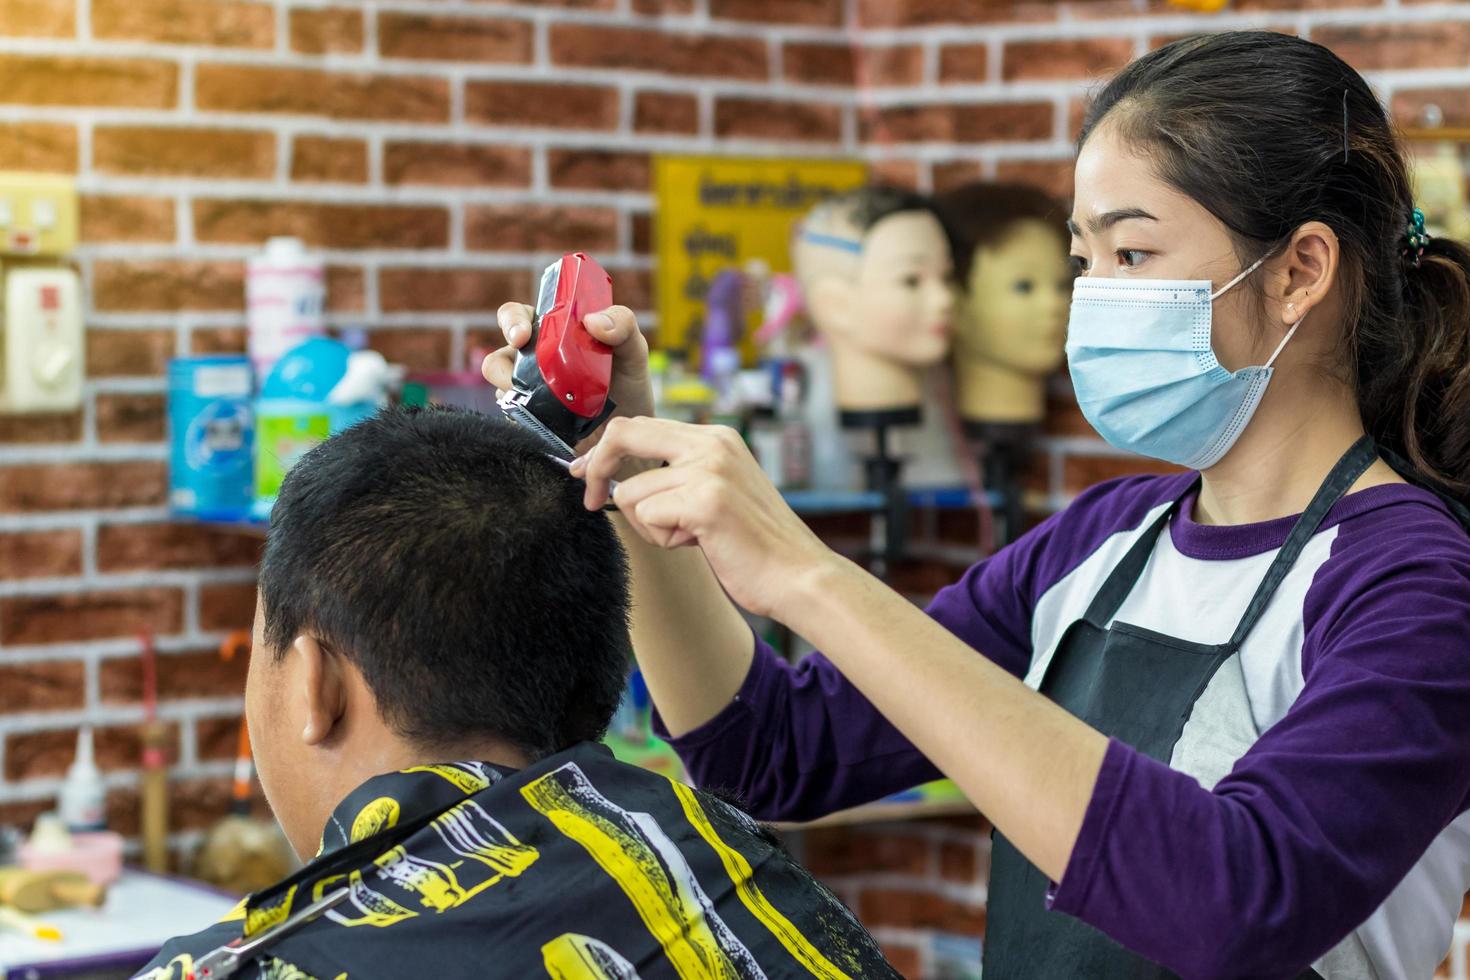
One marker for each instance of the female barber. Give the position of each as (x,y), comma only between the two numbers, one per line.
(1220,720)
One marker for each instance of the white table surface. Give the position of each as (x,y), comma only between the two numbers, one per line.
(141,913)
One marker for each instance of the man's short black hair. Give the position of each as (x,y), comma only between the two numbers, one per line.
(447,557)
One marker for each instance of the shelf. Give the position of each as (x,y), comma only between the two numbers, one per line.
(808,503)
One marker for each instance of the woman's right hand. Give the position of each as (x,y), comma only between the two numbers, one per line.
(631,390)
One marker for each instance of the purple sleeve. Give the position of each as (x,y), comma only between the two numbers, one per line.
(1329,810)
(801,741)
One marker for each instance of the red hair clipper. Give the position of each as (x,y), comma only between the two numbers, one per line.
(560,382)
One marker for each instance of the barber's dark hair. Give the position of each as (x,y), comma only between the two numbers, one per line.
(1267,132)
(453,563)
(981,214)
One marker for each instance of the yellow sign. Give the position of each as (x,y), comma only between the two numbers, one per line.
(718,213)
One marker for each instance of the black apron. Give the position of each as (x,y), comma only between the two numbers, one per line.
(1139,687)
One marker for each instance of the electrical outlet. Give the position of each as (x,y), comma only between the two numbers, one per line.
(44,350)
(38,214)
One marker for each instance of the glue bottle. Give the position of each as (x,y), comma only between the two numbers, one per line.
(82,804)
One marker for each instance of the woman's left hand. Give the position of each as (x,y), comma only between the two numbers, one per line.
(711,493)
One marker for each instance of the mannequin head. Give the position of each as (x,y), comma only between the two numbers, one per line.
(875,271)
(1012,251)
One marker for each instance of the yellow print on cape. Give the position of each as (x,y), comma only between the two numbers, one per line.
(635,852)
(274,969)
(743,877)
(266,916)
(468,777)
(472,851)
(376,817)
(572,956)
(181,967)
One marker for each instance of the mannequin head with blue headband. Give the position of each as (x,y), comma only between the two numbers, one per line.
(875,271)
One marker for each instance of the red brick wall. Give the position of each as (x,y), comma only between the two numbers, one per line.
(440,156)
(439,159)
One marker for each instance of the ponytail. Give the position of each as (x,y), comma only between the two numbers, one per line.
(1414,395)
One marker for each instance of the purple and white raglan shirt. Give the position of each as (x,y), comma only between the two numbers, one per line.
(1315,807)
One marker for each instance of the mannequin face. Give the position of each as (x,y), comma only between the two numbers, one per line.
(901,306)
(1016,303)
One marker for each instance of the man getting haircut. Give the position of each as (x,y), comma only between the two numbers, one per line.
(441,637)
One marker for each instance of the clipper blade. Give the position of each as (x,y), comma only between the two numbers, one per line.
(522,416)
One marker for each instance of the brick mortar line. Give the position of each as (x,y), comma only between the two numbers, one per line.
(375,155)
(101,650)
(91,688)
(31,790)
(419,258)
(185,580)
(111,647)
(370,321)
(89,417)
(71,520)
(202,189)
(187,756)
(107,714)
(142,385)
(1165,24)
(372,56)
(186,81)
(293,125)
(191,602)
(84,149)
(282,26)
(89,548)
(141,320)
(1054,30)
(287,125)
(69,452)
(932,153)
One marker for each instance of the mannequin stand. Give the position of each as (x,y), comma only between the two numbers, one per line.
(884,474)
(1004,451)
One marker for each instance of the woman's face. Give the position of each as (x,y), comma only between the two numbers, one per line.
(1127,223)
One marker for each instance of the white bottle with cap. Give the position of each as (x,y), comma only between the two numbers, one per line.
(83,801)
(285,294)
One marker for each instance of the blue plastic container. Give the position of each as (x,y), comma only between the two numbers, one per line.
(211,437)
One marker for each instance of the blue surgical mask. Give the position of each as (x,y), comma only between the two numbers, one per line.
(1145,372)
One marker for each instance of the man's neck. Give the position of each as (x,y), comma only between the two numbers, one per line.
(367,758)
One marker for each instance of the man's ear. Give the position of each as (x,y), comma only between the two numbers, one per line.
(321,687)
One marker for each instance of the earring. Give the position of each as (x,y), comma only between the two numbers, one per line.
(1291,308)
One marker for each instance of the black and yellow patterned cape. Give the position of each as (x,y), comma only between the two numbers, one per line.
(576,868)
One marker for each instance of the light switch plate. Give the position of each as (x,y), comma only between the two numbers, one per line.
(42,214)
(44,347)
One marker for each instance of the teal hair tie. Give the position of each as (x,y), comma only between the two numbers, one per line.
(1416,239)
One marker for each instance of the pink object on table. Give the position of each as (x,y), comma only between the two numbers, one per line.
(96,854)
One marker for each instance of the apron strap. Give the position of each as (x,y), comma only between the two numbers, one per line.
(1353,464)
(1120,581)
(1404,469)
